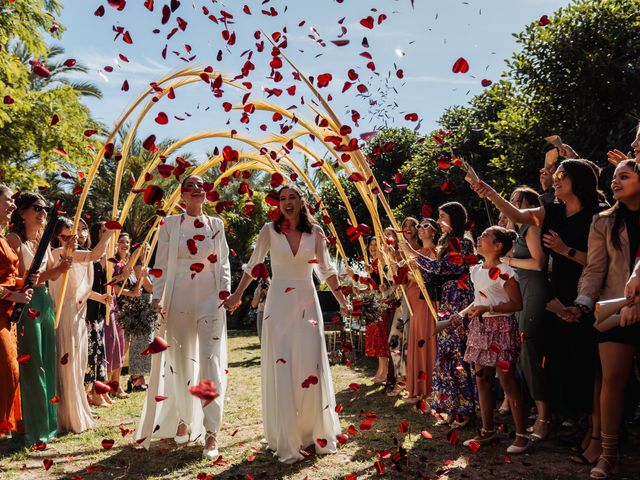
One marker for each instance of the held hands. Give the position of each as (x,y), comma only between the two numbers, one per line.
(553,242)
(571,314)
(233,302)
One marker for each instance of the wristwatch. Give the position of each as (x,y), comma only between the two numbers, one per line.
(571,253)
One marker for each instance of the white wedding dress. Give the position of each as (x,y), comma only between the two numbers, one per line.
(298,400)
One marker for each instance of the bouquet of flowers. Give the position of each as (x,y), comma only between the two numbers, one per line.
(367,307)
(136,316)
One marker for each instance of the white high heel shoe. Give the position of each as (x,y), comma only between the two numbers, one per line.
(182,439)
(211,453)
(515,450)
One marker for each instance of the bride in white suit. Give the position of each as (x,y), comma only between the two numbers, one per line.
(193,257)
(298,400)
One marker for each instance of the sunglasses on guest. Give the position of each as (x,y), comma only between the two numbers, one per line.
(39,208)
(559,176)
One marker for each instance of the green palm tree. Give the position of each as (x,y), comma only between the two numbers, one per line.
(58,70)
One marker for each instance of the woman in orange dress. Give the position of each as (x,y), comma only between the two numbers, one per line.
(10,412)
(421,355)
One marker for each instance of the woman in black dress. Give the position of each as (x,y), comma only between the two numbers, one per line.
(96,311)
(565,231)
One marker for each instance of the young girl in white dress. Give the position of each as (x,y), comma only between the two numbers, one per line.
(493,334)
(298,400)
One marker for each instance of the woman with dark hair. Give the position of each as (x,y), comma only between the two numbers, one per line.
(10,412)
(565,231)
(138,321)
(377,333)
(614,247)
(37,337)
(192,264)
(298,400)
(452,383)
(421,355)
(115,341)
(74,413)
(96,313)
(530,262)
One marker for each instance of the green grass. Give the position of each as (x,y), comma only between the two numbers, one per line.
(82,455)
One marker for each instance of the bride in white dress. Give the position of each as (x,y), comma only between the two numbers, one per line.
(298,400)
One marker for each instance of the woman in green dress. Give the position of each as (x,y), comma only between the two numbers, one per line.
(37,337)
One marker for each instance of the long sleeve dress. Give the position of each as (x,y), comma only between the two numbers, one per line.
(194,327)
(453,384)
(10,411)
(74,413)
(298,399)
(572,350)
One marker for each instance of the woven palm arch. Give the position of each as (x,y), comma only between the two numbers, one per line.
(369,190)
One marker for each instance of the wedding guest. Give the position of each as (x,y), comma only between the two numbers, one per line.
(452,383)
(614,248)
(139,322)
(37,339)
(259,297)
(530,262)
(96,312)
(493,335)
(377,333)
(422,336)
(115,341)
(74,413)
(10,410)
(565,230)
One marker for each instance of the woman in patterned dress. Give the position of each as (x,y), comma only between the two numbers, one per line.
(453,388)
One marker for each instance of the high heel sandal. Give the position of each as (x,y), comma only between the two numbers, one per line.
(609,444)
(182,439)
(211,453)
(513,449)
(534,437)
(580,458)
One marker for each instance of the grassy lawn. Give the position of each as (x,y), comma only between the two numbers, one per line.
(82,456)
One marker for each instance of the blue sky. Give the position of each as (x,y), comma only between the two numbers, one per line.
(424,42)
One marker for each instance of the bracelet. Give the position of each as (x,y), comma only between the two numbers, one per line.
(491,310)
(5,293)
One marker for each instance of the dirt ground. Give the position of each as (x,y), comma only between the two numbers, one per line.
(242,457)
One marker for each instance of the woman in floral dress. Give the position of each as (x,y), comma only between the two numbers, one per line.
(453,388)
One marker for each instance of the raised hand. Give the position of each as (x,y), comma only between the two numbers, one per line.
(616,156)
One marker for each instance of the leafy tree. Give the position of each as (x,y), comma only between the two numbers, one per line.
(41,130)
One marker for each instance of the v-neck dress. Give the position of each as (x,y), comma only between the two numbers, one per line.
(298,399)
